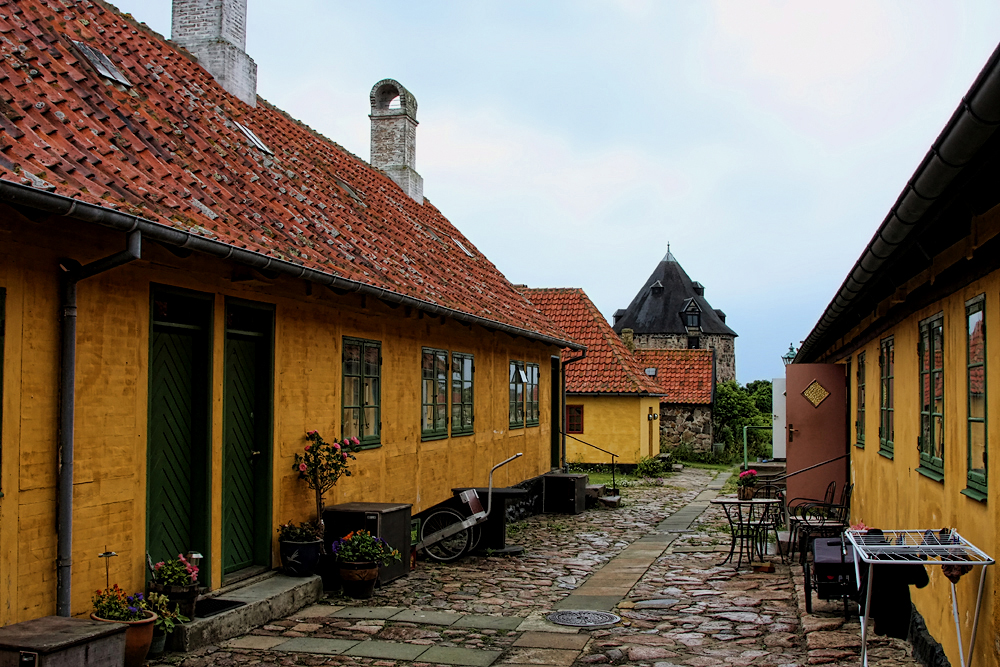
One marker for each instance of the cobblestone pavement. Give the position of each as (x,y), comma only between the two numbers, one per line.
(685,609)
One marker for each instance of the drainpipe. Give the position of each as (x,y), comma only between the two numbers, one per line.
(73,273)
(562,418)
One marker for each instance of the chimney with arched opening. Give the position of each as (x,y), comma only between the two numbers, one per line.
(394,136)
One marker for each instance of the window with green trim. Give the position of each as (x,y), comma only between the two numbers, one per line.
(362,395)
(433,394)
(3,326)
(517,381)
(975,313)
(462,415)
(859,424)
(886,368)
(531,395)
(931,353)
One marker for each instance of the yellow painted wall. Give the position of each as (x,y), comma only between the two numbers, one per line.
(618,424)
(111,412)
(891,494)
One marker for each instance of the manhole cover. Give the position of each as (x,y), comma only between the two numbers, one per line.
(585,618)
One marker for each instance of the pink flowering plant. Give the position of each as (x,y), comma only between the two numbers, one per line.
(747,478)
(321,464)
(175,572)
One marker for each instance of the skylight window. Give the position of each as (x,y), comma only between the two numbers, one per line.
(348,189)
(254,139)
(102,63)
(459,244)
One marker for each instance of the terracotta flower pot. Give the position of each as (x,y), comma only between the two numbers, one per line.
(358,579)
(138,637)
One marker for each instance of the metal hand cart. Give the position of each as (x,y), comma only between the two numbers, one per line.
(446,535)
(925,547)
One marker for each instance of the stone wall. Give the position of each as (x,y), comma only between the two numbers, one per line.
(724,346)
(686,424)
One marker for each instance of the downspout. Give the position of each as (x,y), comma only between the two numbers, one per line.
(72,274)
(562,418)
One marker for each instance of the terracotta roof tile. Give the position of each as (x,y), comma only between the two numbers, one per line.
(684,376)
(609,367)
(167,149)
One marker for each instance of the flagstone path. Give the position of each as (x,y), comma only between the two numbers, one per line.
(654,561)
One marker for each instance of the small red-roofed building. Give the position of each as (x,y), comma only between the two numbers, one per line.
(611,403)
(687,380)
(191,280)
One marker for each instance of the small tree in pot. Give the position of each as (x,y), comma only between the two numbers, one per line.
(321,464)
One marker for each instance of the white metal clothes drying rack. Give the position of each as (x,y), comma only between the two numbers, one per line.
(917,547)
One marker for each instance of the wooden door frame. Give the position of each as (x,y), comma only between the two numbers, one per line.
(205,567)
(262,541)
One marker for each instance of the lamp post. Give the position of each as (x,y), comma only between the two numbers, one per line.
(789,357)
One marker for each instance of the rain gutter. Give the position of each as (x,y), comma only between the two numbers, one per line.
(970,127)
(22,195)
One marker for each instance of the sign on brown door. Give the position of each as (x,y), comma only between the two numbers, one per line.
(816,423)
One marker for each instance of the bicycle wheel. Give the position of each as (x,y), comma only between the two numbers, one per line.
(450,548)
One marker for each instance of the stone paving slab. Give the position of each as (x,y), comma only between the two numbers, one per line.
(538,623)
(552,657)
(598,602)
(488,622)
(386,650)
(255,641)
(426,617)
(376,613)
(454,655)
(315,645)
(552,640)
(317,610)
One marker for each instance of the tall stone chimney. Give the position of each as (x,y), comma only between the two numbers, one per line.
(215,31)
(394,136)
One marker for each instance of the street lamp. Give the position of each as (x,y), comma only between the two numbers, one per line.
(789,357)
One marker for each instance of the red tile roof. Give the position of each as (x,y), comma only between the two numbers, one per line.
(168,150)
(684,376)
(609,366)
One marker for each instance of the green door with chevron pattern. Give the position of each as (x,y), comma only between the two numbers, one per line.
(246,457)
(178,452)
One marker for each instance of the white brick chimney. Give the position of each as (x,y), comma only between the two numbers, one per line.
(215,31)
(394,136)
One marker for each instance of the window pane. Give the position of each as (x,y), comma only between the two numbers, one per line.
(427,391)
(977,447)
(352,359)
(352,391)
(371,391)
(442,416)
(371,360)
(442,394)
(467,416)
(351,429)
(467,369)
(427,365)
(938,449)
(977,347)
(977,400)
(427,422)
(371,421)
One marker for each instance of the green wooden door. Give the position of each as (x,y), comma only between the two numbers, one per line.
(177,446)
(246,488)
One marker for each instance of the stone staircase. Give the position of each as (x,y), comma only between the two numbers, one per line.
(600,494)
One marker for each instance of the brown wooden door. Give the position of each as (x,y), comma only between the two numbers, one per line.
(816,418)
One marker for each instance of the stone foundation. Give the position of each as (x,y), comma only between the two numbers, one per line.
(686,424)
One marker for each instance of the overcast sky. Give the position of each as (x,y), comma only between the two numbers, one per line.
(571,140)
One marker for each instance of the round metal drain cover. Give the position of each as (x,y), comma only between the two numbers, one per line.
(583,618)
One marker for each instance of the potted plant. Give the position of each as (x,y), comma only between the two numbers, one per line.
(167,619)
(300,547)
(113,605)
(746,484)
(359,555)
(177,578)
(321,464)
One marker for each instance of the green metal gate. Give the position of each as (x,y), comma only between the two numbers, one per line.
(246,483)
(178,507)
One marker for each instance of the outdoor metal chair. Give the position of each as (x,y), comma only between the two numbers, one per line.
(774,516)
(822,520)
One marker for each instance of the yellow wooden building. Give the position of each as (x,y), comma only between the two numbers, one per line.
(189,282)
(916,329)
(610,402)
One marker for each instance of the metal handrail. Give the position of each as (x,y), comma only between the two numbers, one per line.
(782,478)
(613,457)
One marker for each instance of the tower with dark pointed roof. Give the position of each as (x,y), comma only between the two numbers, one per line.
(670,312)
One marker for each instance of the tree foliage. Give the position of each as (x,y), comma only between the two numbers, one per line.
(736,407)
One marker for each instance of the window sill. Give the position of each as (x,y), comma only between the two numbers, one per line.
(532,424)
(462,434)
(887,453)
(369,445)
(859,445)
(515,427)
(974,494)
(931,473)
(424,437)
